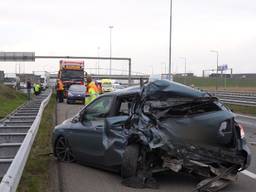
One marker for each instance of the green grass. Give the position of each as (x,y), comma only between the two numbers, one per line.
(36,174)
(10,99)
(242,109)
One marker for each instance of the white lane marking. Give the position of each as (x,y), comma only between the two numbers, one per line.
(245,116)
(249,174)
(246,123)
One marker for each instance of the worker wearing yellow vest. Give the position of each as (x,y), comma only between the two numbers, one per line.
(60,91)
(91,91)
(37,88)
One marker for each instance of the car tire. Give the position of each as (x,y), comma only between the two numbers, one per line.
(130,161)
(63,151)
(68,102)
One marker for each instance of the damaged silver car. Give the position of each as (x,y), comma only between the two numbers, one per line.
(163,126)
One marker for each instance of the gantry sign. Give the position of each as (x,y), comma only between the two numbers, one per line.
(30,56)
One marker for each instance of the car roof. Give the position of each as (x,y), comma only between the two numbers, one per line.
(125,91)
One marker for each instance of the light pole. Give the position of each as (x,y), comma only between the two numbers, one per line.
(163,64)
(185,71)
(110,48)
(217,66)
(98,63)
(170,39)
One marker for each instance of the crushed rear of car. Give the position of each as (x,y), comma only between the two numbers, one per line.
(178,128)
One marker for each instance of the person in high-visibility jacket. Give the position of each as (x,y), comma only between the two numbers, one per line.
(60,91)
(91,91)
(37,89)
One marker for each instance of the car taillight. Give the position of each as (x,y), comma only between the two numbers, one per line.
(242,133)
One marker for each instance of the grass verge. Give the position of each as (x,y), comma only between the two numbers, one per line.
(10,99)
(242,109)
(36,174)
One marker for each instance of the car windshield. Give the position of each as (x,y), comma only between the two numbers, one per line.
(78,88)
(72,75)
(107,84)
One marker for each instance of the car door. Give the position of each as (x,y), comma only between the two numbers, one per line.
(86,136)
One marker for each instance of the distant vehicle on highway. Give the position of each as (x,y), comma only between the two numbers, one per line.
(76,93)
(45,81)
(13,81)
(165,126)
(118,87)
(71,72)
(44,78)
(161,77)
(107,85)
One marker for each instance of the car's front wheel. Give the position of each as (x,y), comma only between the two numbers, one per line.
(130,161)
(63,151)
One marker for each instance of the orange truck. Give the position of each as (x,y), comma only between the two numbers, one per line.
(71,72)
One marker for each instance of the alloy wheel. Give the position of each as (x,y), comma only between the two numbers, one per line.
(63,151)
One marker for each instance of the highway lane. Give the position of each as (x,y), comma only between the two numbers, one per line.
(75,177)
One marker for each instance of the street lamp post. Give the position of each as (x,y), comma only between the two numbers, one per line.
(98,63)
(185,65)
(217,66)
(110,49)
(170,39)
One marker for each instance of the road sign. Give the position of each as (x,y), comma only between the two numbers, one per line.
(17,56)
(223,67)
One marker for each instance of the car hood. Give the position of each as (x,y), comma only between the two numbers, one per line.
(64,125)
(77,92)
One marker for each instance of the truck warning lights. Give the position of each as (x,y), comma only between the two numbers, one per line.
(71,65)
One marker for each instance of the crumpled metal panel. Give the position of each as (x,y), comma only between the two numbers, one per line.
(164,131)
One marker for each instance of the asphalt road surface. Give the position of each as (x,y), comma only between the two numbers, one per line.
(75,177)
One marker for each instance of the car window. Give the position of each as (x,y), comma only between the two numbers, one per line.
(80,88)
(125,105)
(124,108)
(98,109)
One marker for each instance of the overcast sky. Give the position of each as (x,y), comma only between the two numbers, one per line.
(141,31)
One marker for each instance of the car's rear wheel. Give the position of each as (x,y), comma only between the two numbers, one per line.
(130,161)
(63,151)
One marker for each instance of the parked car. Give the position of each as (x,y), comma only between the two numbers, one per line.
(163,126)
(76,93)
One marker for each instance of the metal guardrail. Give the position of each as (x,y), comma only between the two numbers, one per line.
(12,177)
(234,93)
(237,98)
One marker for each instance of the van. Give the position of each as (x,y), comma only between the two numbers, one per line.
(107,85)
